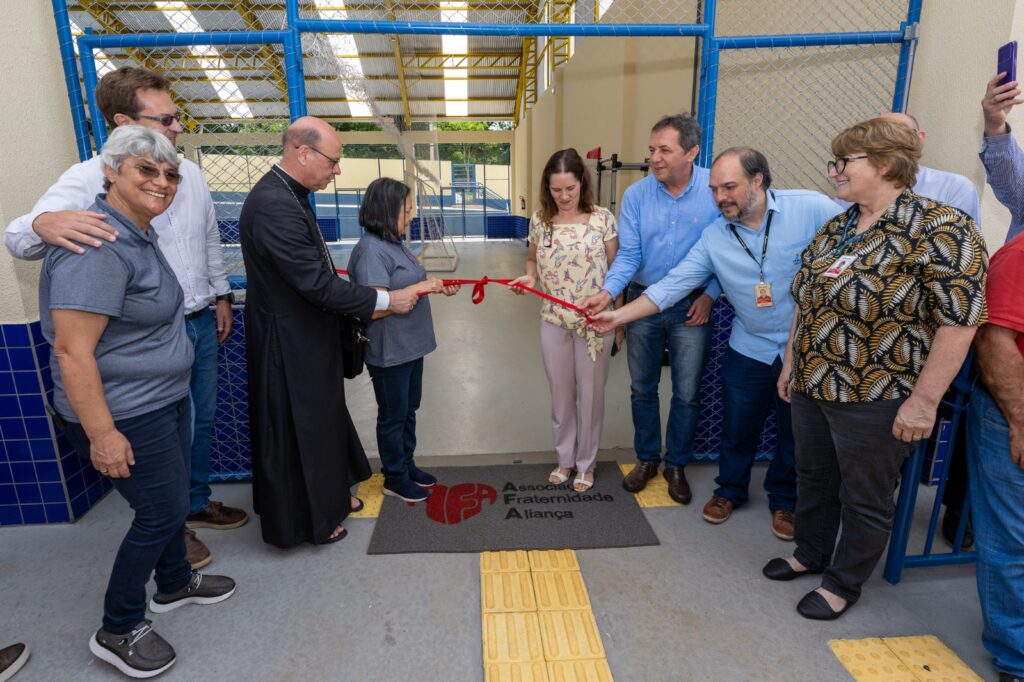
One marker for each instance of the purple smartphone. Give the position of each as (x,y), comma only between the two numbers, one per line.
(1008,61)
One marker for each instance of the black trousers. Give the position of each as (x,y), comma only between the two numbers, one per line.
(847,464)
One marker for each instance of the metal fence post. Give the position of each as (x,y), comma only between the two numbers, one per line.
(67,58)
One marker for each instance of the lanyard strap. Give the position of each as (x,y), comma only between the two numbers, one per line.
(764,243)
(848,238)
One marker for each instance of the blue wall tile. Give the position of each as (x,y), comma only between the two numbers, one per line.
(9,406)
(22,359)
(6,378)
(5,473)
(5,362)
(23,472)
(57,513)
(28,493)
(16,336)
(7,494)
(26,381)
(48,472)
(52,492)
(12,429)
(43,449)
(33,513)
(18,450)
(31,405)
(10,515)
(80,505)
(37,427)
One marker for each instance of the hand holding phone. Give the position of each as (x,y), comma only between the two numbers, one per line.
(1007,62)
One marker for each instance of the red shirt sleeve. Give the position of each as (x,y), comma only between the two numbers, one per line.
(1005,290)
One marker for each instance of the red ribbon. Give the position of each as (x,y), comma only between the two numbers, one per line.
(480,284)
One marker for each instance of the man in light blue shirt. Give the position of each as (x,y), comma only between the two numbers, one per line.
(662,217)
(754,251)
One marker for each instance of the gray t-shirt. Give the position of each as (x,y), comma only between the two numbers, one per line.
(144,356)
(394,339)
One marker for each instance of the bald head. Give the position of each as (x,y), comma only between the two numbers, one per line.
(310,152)
(905,119)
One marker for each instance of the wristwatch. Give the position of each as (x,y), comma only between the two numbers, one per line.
(229,297)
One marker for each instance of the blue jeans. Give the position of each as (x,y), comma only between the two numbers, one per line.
(688,351)
(748,391)
(997,503)
(157,492)
(202,332)
(398,390)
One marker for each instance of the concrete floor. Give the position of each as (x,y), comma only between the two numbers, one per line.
(693,608)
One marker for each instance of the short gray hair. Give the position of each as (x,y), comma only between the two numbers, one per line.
(125,141)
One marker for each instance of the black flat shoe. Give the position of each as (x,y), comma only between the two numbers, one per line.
(815,607)
(779,569)
(358,507)
(339,536)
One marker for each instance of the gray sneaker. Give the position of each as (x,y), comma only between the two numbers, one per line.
(141,653)
(201,589)
(12,658)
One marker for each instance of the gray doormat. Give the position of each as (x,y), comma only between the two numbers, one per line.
(487,508)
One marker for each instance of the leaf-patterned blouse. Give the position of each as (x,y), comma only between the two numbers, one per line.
(865,334)
(571,265)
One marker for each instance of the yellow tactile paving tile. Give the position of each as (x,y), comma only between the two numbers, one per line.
(656,492)
(870,660)
(553,560)
(531,671)
(511,638)
(371,492)
(591,670)
(931,660)
(901,659)
(496,562)
(506,591)
(560,591)
(570,635)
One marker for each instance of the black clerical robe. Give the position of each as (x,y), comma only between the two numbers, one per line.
(305,450)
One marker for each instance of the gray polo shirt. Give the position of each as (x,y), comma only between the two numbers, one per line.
(144,356)
(394,339)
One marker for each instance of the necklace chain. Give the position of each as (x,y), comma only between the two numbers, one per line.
(321,243)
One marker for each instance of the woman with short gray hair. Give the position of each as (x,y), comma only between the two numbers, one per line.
(121,362)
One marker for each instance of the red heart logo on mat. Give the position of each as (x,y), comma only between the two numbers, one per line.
(460,502)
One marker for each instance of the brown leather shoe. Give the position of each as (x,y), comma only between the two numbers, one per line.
(217,516)
(678,488)
(718,509)
(782,523)
(636,480)
(196,553)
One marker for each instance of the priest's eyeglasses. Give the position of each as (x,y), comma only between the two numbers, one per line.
(334,161)
(839,165)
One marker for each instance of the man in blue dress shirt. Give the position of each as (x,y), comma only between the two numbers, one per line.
(753,250)
(662,217)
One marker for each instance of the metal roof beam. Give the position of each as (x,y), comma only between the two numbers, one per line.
(111,24)
(365,6)
(400,65)
(270,58)
(347,100)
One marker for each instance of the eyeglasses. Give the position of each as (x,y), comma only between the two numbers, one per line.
(839,165)
(152,173)
(334,161)
(163,119)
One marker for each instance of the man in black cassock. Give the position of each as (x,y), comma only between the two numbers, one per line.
(306,452)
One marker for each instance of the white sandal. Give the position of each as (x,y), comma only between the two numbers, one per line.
(559,477)
(579,480)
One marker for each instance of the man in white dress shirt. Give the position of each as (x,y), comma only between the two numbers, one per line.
(189,240)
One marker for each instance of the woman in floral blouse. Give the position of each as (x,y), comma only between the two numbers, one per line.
(889,296)
(572,243)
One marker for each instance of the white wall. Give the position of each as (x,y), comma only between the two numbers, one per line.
(36,134)
(955,59)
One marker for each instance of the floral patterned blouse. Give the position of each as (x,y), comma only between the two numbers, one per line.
(571,265)
(864,333)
